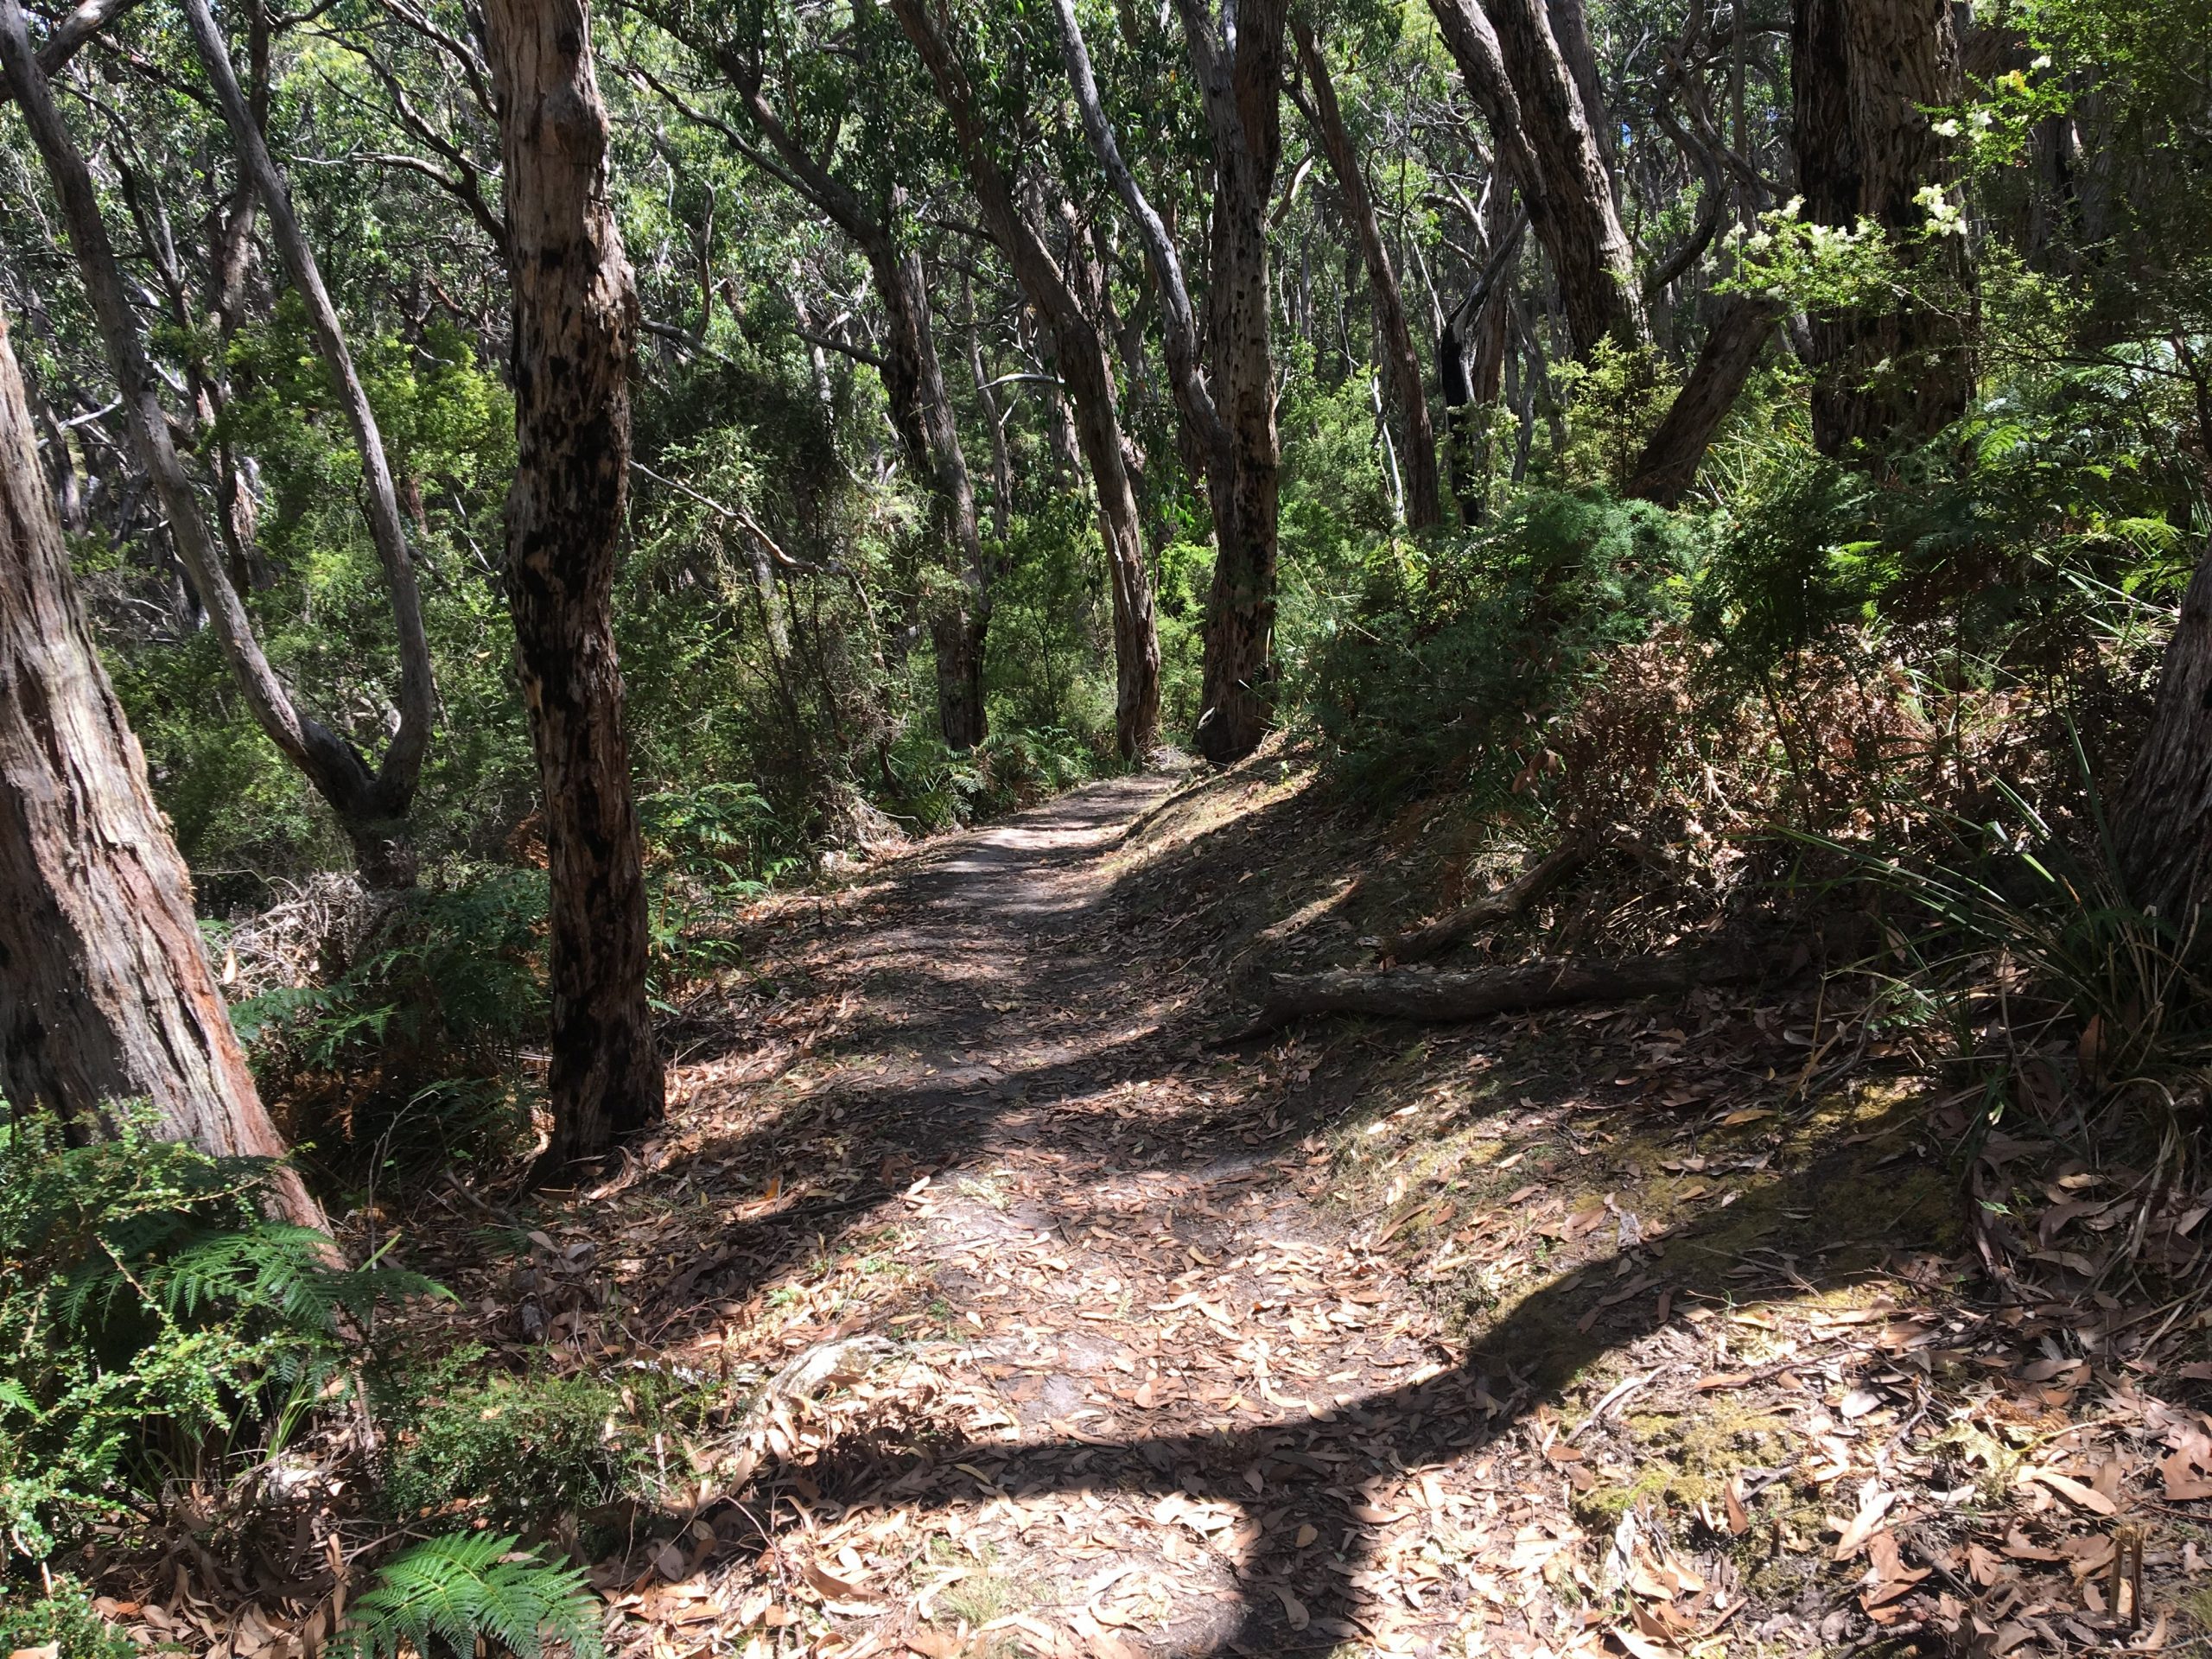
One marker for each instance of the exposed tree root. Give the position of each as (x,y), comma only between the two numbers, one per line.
(1434,938)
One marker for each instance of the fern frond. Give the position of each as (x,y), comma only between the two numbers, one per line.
(280,1268)
(455,1589)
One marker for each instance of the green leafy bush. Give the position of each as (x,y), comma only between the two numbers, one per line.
(153,1323)
(443,1595)
(406,1051)
(64,1620)
(1447,671)
(513,1451)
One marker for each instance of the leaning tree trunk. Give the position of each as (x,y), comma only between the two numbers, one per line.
(1672,455)
(1401,364)
(575,322)
(381,810)
(2164,823)
(105,993)
(1470,350)
(331,764)
(914,377)
(1864,78)
(1522,82)
(922,411)
(1080,354)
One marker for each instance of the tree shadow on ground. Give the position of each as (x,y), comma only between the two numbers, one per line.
(1308,1470)
(969,926)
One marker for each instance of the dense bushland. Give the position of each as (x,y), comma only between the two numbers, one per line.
(1882,665)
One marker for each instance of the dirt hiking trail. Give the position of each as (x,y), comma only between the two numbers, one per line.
(1046,1327)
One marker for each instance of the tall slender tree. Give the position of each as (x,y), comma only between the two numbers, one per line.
(1230,402)
(330,762)
(389,794)
(105,992)
(1317,99)
(1080,354)
(576,325)
(867,210)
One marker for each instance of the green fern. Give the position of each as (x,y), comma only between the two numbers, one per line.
(286,1270)
(450,1591)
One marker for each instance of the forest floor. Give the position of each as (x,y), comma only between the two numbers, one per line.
(1656,1332)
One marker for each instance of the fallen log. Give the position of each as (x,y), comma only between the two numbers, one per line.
(1554,982)
(1434,938)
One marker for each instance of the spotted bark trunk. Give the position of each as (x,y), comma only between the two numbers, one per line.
(105,992)
(1240,80)
(1520,81)
(575,319)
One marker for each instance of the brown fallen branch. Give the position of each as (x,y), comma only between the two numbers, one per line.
(1399,993)
(1434,938)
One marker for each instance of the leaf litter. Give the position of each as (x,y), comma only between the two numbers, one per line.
(1036,1325)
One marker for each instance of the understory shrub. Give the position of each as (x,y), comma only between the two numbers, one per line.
(1447,673)
(513,1452)
(405,1045)
(155,1327)
(63,1620)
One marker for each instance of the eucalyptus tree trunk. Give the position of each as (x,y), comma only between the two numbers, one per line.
(391,794)
(1520,81)
(921,409)
(1401,364)
(575,323)
(1080,354)
(1471,352)
(1865,77)
(105,992)
(2163,822)
(71,32)
(1675,449)
(913,381)
(1240,79)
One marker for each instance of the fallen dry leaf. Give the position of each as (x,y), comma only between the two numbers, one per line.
(1642,1646)
(1873,1504)
(2086,1497)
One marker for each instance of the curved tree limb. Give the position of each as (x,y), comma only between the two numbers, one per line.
(402,767)
(332,764)
(1434,938)
(65,38)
